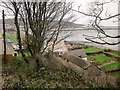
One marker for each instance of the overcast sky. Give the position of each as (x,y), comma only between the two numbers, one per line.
(112,8)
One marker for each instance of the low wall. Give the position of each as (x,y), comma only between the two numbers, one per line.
(93,53)
(112,56)
(76,60)
(9,57)
(104,52)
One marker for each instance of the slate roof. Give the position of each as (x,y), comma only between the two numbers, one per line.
(79,53)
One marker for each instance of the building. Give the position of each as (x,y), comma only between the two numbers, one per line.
(59,47)
(69,47)
(9,50)
(79,53)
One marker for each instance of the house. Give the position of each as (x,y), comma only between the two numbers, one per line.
(69,47)
(79,53)
(59,47)
(9,50)
(16,47)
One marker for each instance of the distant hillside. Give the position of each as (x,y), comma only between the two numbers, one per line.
(10,22)
(69,24)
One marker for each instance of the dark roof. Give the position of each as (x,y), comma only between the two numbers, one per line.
(78,53)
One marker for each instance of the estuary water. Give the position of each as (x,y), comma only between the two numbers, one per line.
(79,35)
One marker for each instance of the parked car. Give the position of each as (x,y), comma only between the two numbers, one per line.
(16,47)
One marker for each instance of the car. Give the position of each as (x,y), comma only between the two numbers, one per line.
(16,47)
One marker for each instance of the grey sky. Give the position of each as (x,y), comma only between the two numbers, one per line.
(112,8)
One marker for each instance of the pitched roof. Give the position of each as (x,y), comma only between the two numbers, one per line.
(59,47)
(78,53)
(69,46)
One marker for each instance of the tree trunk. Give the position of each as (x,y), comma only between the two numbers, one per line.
(4,37)
(38,61)
(18,34)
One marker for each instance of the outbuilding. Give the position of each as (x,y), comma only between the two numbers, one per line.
(79,53)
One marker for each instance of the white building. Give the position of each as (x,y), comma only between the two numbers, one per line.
(59,47)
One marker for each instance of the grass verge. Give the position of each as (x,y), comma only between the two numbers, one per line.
(92,49)
(13,39)
(101,58)
(116,74)
(117,53)
(113,65)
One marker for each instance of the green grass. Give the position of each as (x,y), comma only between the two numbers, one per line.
(116,74)
(92,49)
(13,39)
(27,54)
(0,34)
(101,58)
(115,52)
(111,66)
(21,75)
(19,57)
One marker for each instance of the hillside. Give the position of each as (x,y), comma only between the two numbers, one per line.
(10,23)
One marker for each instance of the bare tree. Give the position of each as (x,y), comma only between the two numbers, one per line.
(46,18)
(16,7)
(45,22)
(96,10)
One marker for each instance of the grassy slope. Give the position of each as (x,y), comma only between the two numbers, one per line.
(116,74)
(111,66)
(101,58)
(114,65)
(19,74)
(13,39)
(115,52)
(92,49)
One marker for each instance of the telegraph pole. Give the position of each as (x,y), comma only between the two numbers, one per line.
(3,16)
